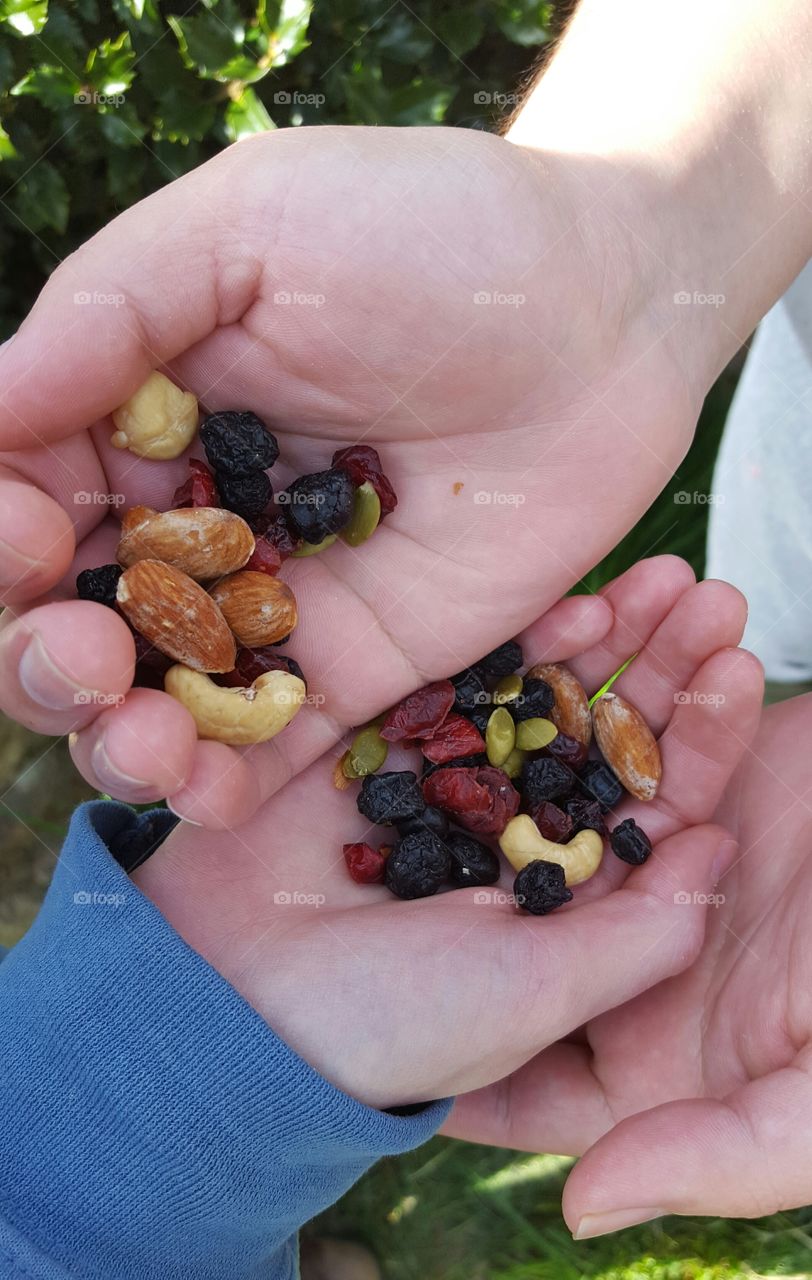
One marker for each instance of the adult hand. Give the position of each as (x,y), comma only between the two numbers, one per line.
(398,1002)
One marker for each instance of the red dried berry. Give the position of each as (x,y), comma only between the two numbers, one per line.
(265,558)
(455,737)
(361,463)
(273,527)
(481,799)
(568,750)
(199,490)
(251,663)
(552,822)
(146,655)
(420,714)
(365,864)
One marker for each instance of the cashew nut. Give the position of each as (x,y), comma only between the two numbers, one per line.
(158,421)
(239,717)
(522,842)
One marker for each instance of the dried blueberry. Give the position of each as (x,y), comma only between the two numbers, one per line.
(598,782)
(430,819)
(535,700)
(502,661)
(540,887)
(480,716)
(247,496)
(472,862)
(630,843)
(546,779)
(238,443)
(391,797)
(469,691)
(586,814)
(459,762)
(417,866)
(568,750)
(99,584)
(319,504)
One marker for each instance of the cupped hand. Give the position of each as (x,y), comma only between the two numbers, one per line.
(448,296)
(398,1002)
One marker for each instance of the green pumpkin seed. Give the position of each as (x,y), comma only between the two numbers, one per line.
(313,548)
(368,751)
(535,733)
(514,763)
(365,518)
(347,766)
(500,736)
(508,688)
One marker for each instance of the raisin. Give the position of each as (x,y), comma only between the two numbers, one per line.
(99,584)
(586,814)
(247,496)
(535,701)
(469,690)
(430,819)
(251,663)
(480,799)
(504,660)
(238,443)
(417,866)
(599,783)
(390,797)
(546,779)
(362,464)
(552,822)
(199,490)
(472,862)
(139,839)
(265,558)
(278,644)
(420,713)
(276,532)
(568,750)
(480,716)
(455,738)
(319,504)
(540,887)
(146,655)
(365,864)
(630,843)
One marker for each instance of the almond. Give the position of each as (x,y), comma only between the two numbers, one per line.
(628,745)
(205,542)
(259,609)
(570,715)
(176,615)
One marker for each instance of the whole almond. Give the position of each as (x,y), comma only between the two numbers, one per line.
(176,615)
(205,542)
(628,745)
(259,609)
(570,714)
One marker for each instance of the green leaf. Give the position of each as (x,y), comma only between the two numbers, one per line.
(25,17)
(41,198)
(290,35)
(109,67)
(422,102)
(404,40)
(7,148)
(54,86)
(121,126)
(209,47)
(523,23)
(247,115)
(181,116)
(460,29)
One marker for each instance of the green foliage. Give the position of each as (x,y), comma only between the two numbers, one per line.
(104,101)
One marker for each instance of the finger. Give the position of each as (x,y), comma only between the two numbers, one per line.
(63,663)
(36,539)
(743,1156)
(570,627)
(140,750)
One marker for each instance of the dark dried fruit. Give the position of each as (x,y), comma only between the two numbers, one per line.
(199,490)
(146,655)
(599,782)
(482,799)
(99,584)
(630,843)
(319,504)
(140,838)
(504,660)
(247,496)
(469,691)
(265,558)
(362,464)
(391,797)
(418,865)
(586,814)
(365,864)
(238,443)
(250,663)
(535,701)
(430,819)
(568,750)
(472,862)
(459,762)
(419,714)
(552,822)
(455,738)
(480,716)
(276,532)
(540,887)
(546,779)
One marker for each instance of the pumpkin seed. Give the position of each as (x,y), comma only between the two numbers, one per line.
(500,736)
(368,751)
(365,518)
(508,688)
(535,733)
(313,548)
(514,763)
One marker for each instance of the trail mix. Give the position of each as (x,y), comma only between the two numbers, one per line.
(529,762)
(198,583)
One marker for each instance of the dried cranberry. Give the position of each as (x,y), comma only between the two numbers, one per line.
(265,558)
(361,463)
(586,814)
(455,737)
(199,490)
(630,843)
(540,887)
(276,532)
(568,750)
(365,864)
(146,655)
(552,822)
(481,799)
(419,714)
(251,663)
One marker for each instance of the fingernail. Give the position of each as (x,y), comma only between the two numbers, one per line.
(190,821)
(109,775)
(725,857)
(600,1224)
(46,684)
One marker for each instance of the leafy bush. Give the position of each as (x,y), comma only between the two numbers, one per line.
(103,101)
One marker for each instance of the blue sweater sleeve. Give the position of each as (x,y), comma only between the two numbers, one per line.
(152,1125)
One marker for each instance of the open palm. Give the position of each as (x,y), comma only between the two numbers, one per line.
(439,293)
